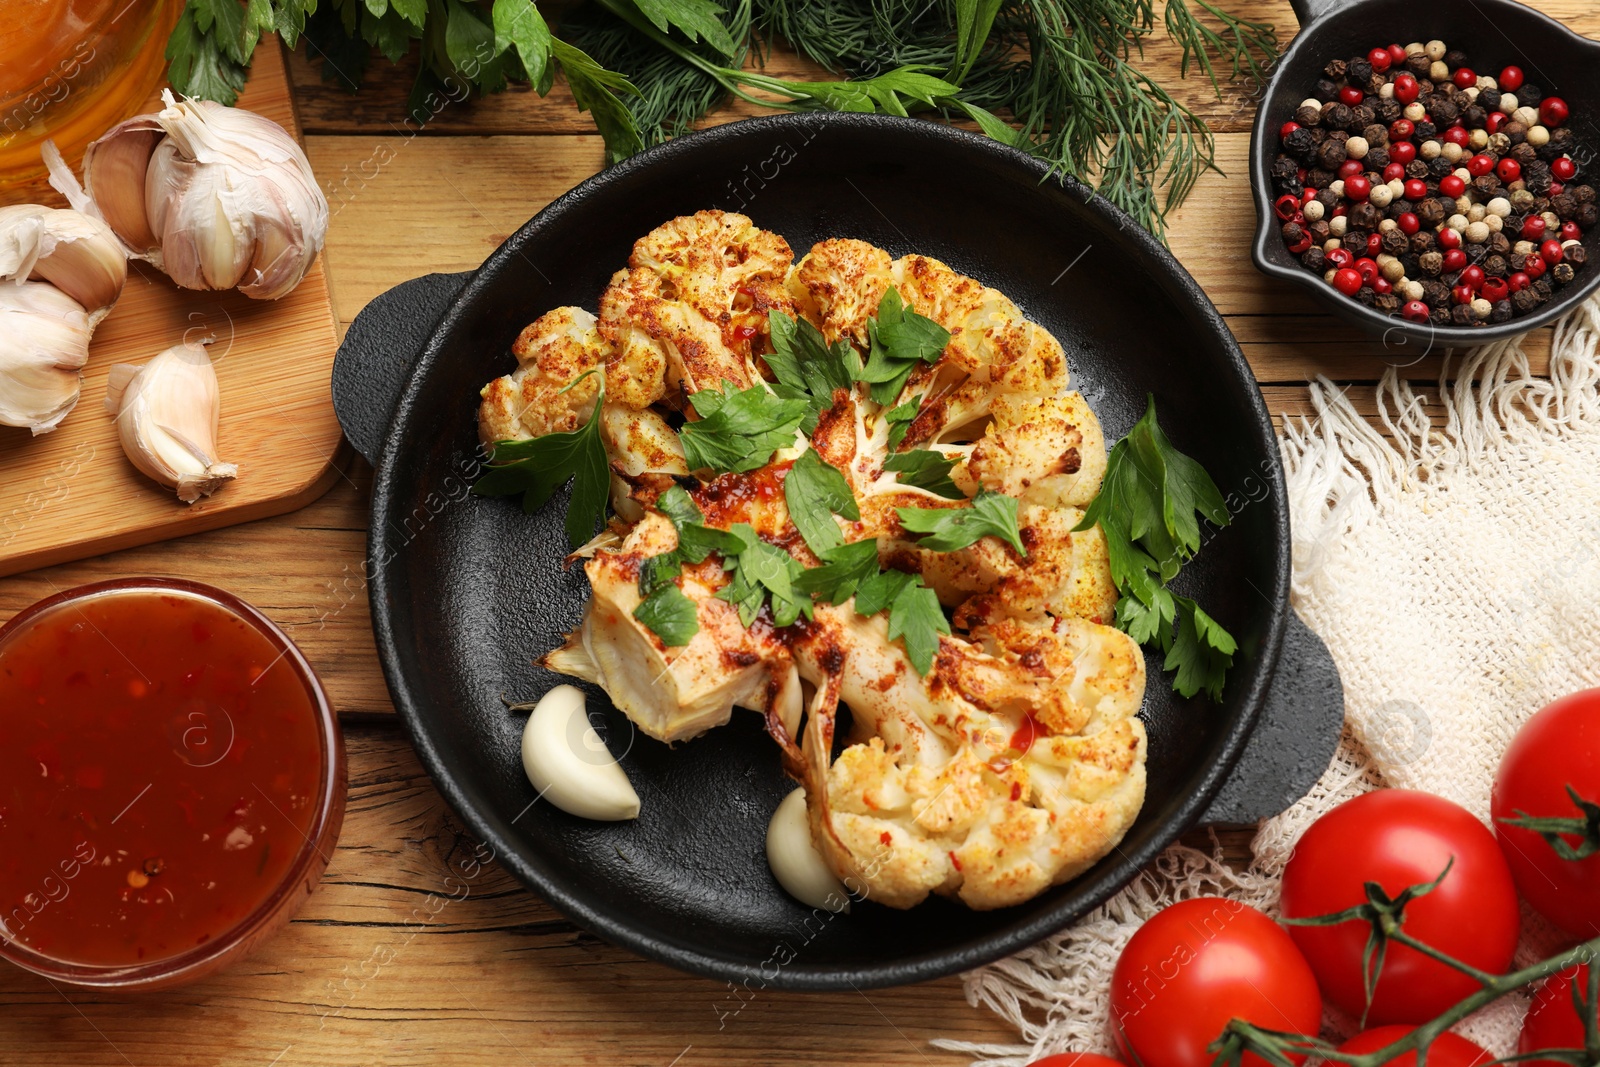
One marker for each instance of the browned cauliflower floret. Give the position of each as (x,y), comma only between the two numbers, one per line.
(552,353)
(1044,450)
(692,303)
(838,285)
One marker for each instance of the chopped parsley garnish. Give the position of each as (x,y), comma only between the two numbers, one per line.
(537,468)
(670,615)
(843,570)
(899,340)
(761,572)
(900,420)
(807,367)
(739,429)
(665,609)
(950,529)
(914,613)
(814,491)
(923,468)
(1148,509)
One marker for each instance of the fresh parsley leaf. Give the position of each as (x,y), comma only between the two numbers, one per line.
(599,91)
(1201,652)
(696,540)
(1148,510)
(917,619)
(761,572)
(950,529)
(470,44)
(900,420)
(538,467)
(199,61)
(696,18)
(923,468)
(878,592)
(814,491)
(520,23)
(739,429)
(670,615)
(806,366)
(843,570)
(882,93)
(899,339)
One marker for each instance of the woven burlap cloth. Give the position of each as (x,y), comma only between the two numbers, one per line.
(1448,552)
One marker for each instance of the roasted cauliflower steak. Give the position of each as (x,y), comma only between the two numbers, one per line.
(1018,760)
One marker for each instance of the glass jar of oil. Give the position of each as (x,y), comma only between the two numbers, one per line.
(72,69)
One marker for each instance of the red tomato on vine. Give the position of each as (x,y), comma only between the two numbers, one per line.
(1195,966)
(1447,1050)
(1077,1059)
(1558,749)
(1400,838)
(1552,1020)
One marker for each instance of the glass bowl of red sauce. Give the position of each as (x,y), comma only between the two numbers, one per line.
(172,783)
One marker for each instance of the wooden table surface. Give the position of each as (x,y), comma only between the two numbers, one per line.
(409,953)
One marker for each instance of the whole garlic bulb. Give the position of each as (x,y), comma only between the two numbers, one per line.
(167,413)
(44,343)
(214,196)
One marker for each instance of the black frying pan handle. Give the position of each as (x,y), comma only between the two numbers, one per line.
(375,359)
(1293,740)
(1308,11)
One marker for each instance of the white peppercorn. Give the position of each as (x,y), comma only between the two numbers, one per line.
(1393,270)
(1380,196)
(1313,210)
(1481,307)
(1486,81)
(1438,72)
(1338,225)
(1331,243)
(1524,248)
(1477,233)
(1508,103)
(1356,147)
(1457,222)
(1327,276)
(1478,139)
(1336,187)
(1495,223)
(1538,136)
(1415,111)
(1451,151)
(1498,206)
(1311,101)
(1386,91)
(1434,49)
(1411,290)
(1429,150)
(1471,93)
(1528,116)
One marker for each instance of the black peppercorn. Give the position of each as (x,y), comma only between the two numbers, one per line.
(1397,208)
(1387,303)
(1336,115)
(1587,214)
(1422,241)
(1376,134)
(1525,300)
(1563,272)
(1336,69)
(1432,211)
(1536,176)
(1314,259)
(1282,168)
(1320,231)
(1489,99)
(1529,95)
(1439,167)
(1455,58)
(1563,139)
(1395,242)
(1364,216)
(1473,116)
(1298,142)
(1418,64)
(1425,131)
(1363,115)
(1475,252)
(1584,194)
(1357,70)
(1409,262)
(1431,263)
(1496,266)
(1367,295)
(1377,157)
(1444,112)
(1417,168)
(1439,316)
(1387,109)
(1515,131)
(1543,287)
(1330,154)
(1325,89)
(1320,177)
(1524,153)
(1577,255)
(1461,315)
(1308,116)
(1564,204)
(1500,311)
(1487,186)
(1292,232)
(1499,244)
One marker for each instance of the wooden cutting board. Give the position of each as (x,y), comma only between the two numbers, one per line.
(72,493)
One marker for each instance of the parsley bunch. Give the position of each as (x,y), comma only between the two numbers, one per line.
(1148,508)
(646,70)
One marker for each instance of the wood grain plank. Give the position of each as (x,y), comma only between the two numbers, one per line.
(327,108)
(273,361)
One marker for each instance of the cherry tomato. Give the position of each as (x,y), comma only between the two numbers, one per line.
(1197,965)
(1401,838)
(1552,1020)
(1447,1050)
(1077,1059)
(1558,747)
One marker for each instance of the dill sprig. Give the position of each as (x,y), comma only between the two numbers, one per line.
(1066,71)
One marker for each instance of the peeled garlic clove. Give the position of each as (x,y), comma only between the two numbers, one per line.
(795,861)
(44,342)
(569,764)
(76,253)
(167,413)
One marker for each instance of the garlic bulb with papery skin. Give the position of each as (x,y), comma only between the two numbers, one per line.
(75,252)
(216,197)
(44,342)
(167,413)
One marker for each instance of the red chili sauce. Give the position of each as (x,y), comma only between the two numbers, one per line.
(159,771)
